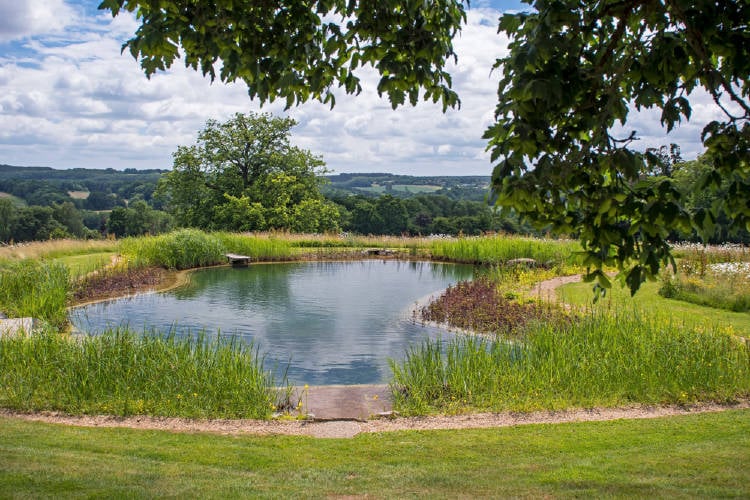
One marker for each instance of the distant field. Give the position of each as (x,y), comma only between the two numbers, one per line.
(403,188)
(78,195)
(16,201)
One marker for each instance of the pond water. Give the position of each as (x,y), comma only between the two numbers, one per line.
(330,322)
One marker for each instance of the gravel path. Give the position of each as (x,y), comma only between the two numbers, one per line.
(350,428)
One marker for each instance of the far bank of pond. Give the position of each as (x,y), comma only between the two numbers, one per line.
(324,322)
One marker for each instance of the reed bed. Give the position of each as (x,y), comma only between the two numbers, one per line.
(266,247)
(124,373)
(182,249)
(37,289)
(606,359)
(501,249)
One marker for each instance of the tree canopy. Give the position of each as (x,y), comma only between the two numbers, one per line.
(298,50)
(244,174)
(562,143)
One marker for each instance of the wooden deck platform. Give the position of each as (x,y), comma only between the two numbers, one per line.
(238,260)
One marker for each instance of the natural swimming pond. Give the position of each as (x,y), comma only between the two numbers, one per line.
(330,322)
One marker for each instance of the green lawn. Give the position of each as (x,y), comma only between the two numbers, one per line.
(688,456)
(80,265)
(648,299)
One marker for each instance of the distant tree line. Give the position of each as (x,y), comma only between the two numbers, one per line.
(278,187)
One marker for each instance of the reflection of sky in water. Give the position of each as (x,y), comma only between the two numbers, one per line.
(338,322)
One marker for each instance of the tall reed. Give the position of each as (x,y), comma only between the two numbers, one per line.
(500,249)
(182,249)
(37,289)
(604,360)
(123,373)
(259,248)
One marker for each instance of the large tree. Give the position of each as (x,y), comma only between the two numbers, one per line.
(244,174)
(562,143)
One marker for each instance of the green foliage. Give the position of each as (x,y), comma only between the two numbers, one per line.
(306,47)
(694,456)
(37,289)
(244,175)
(500,249)
(182,249)
(259,248)
(122,373)
(138,218)
(572,72)
(716,277)
(603,360)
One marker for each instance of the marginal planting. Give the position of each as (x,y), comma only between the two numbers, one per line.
(479,306)
(183,249)
(269,248)
(30,288)
(501,249)
(601,360)
(124,373)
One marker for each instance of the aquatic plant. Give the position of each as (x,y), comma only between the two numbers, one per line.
(609,359)
(182,249)
(125,373)
(503,248)
(265,248)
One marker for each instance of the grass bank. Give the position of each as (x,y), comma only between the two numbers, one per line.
(694,456)
(602,359)
(124,373)
(649,300)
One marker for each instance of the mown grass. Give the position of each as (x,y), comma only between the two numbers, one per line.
(37,289)
(695,456)
(54,249)
(124,373)
(603,359)
(649,300)
(80,265)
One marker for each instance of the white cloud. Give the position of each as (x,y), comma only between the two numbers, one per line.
(72,99)
(26,18)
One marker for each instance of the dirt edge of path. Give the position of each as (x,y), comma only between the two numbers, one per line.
(348,428)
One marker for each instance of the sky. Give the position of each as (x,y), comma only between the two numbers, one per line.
(69,98)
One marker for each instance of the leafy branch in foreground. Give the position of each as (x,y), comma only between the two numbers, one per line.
(573,74)
(297,50)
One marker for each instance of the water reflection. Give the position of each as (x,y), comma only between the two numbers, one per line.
(338,322)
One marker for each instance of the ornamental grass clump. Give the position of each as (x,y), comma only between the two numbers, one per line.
(602,359)
(182,249)
(258,248)
(503,248)
(124,373)
(37,289)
